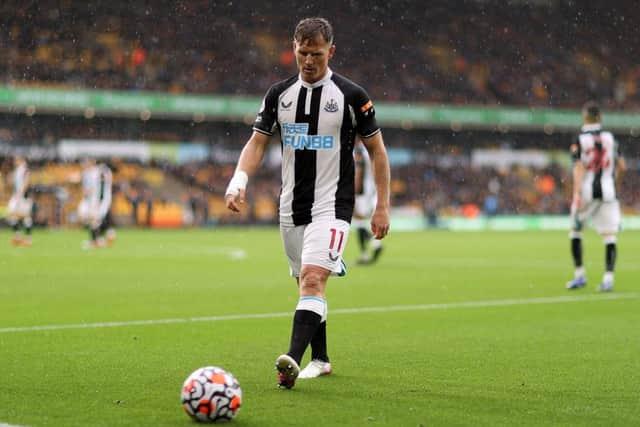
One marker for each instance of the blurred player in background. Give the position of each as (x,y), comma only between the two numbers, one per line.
(366,198)
(20,204)
(318,114)
(106,232)
(94,208)
(597,166)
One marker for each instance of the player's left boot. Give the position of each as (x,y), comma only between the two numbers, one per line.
(316,368)
(605,286)
(288,371)
(577,283)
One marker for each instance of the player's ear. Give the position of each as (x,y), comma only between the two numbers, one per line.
(332,51)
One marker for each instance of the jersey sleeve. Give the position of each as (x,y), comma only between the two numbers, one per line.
(365,114)
(267,117)
(575,150)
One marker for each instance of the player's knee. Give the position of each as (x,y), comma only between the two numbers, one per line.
(609,238)
(575,234)
(312,280)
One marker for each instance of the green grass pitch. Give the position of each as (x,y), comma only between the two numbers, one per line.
(545,356)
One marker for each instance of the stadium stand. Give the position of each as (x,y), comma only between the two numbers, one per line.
(531,53)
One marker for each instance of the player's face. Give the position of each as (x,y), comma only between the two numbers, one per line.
(313,57)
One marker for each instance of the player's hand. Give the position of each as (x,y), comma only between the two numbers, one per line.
(234,196)
(380,223)
(234,203)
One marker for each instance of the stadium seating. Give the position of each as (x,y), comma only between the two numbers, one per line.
(528,54)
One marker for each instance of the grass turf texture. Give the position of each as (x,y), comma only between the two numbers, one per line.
(573,363)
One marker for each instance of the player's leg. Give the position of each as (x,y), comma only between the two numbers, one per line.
(106,229)
(317,253)
(14,223)
(27,220)
(93,227)
(361,213)
(292,239)
(578,218)
(27,223)
(579,276)
(14,220)
(319,364)
(376,246)
(607,223)
(307,319)
(364,236)
(611,253)
(325,245)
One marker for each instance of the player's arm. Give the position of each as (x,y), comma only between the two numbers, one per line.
(253,151)
(578,177)
(359,176)
(621,165)
(248,163)
(577,172)
(620,168)
(382,176)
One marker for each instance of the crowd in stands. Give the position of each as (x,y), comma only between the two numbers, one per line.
(555,53)
(168,194)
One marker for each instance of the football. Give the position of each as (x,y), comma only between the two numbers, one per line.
(211,394)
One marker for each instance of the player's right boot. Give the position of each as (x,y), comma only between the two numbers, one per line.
(316,368)
(605,286)
(577,283)
(288,371)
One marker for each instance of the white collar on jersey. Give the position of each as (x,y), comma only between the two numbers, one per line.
(591,127)
(319,83)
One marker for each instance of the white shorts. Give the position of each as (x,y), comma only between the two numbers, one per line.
(20,207)
(92,213)
(364,206)
(319,243)
(604,216)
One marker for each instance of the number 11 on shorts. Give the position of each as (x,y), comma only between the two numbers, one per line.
(334,232)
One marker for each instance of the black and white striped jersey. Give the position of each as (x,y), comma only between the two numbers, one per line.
(598,151)
(318,124)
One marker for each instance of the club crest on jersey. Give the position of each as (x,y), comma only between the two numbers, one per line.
(331,106)
(295,135)
(286,106)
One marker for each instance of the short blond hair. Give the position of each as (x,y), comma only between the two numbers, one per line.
(310,28)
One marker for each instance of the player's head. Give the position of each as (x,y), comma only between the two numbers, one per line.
(313,47)
(591,112)
(19,161)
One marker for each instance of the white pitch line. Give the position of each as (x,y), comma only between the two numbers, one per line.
(9,425)
(357,310)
